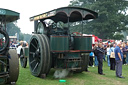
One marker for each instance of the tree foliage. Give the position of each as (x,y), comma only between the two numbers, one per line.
(12,29)
(27,37)
(21,36)
(112,17)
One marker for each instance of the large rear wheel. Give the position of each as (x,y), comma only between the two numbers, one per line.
(39,55)
(13,66)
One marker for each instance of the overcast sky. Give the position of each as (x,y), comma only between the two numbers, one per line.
(29,8)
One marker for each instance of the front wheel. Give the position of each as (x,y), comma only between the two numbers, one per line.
(13,66)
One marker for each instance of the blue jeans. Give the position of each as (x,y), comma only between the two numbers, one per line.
(104,58)
(96,61)
(127,58)
(108,60)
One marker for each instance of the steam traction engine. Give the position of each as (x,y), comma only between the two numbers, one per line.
(52,45)
(9,63)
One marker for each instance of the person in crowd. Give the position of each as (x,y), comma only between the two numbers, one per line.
(26,44)
(112,57)
(100,53)
(19,48)
(95,47)
(127,53)
(105,49)
(108,54)
(118,58)
(124,53)
(13,45)
(86,69)
(91,55)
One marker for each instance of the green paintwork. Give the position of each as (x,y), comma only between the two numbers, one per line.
(73,64)
(62,14)
(2,80)
(69,61)
(83,43)
(9,15)
(26,52)
(59,43)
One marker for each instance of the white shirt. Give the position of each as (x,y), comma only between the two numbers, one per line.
(18,49)
(108,51)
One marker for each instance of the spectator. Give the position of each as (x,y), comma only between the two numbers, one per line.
(108,54)
(19,48)
(105,48)
(127,53)
(118,58)
(124,53)
(94,49)
(12,45)
(26,44)
(100,53)
(112,57)
(91,59)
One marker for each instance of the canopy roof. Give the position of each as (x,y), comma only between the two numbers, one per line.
(8,15)
(62,14)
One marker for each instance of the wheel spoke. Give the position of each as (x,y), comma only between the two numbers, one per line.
(21,56)
(36,42)
(32,61)
(35,67)
(33,54)
(34,46)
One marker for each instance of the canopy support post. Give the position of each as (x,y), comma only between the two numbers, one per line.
(82,27)
(68,26)
(35,25)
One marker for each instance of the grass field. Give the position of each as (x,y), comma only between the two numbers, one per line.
(84,78)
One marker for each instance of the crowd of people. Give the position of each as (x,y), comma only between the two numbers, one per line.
(18,46)
(115,53)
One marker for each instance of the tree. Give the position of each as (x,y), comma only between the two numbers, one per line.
(118,36)
(21,36)
(112,17)
(27,37)
(12,29)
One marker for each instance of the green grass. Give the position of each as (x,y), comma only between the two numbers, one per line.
(84,78)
